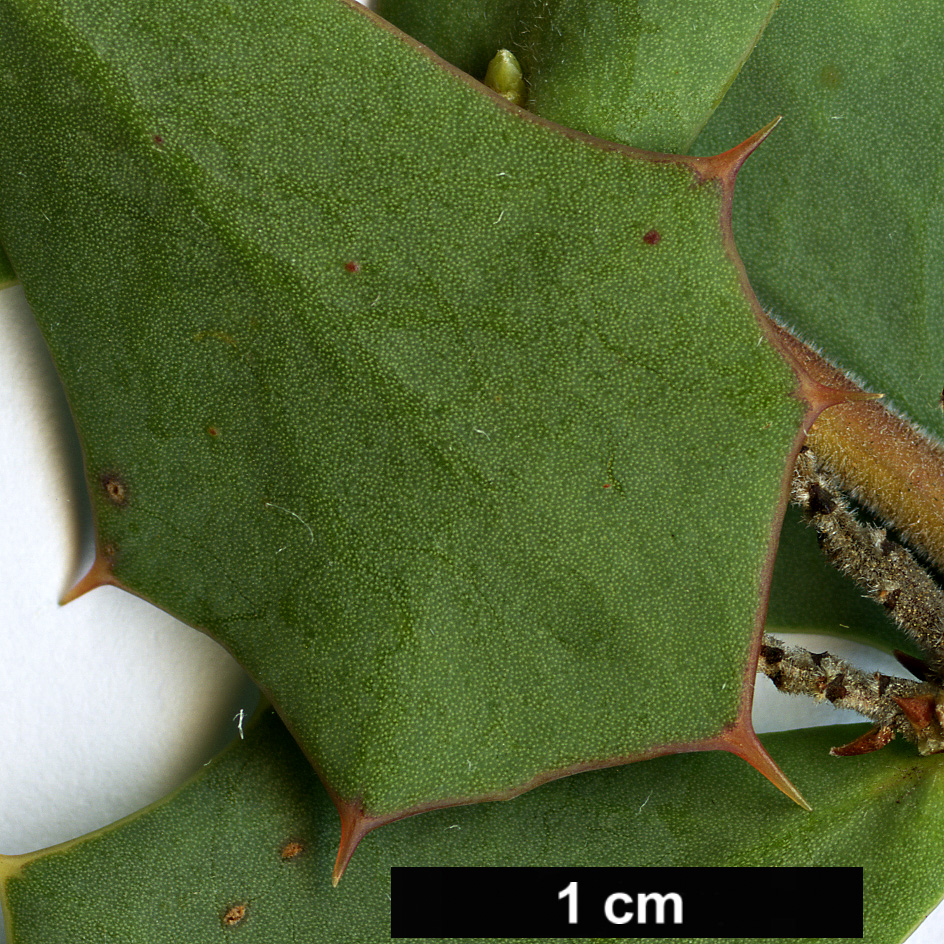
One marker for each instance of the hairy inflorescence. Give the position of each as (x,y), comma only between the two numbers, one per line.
(893,577)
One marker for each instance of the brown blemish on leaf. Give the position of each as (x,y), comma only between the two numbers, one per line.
(212,431)
(652,237)
(292,850)
(352,266)
(235,914)
(114,487)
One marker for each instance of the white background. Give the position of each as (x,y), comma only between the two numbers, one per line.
(107,704)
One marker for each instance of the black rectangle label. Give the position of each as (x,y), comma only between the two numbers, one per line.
(627,903)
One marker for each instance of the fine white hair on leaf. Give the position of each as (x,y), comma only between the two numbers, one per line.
(311,534)
(838,465)
(887,403)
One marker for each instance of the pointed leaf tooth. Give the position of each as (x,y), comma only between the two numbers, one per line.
(354,826)
(98,575)
(744,742)
(725,166)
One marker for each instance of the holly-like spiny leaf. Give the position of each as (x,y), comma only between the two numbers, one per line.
(245,845)
(436,415)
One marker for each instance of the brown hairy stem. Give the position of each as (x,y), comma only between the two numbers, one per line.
(880,566)
(898,706)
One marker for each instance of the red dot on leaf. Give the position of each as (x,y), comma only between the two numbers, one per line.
(352,266)
(652,237)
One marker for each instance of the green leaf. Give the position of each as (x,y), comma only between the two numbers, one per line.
(841,225)
(466,33)
(646,75)
(256,829)
(458,429)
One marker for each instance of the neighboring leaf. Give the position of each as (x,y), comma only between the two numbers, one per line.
(842,224)
(466,33)
(255,829)
(459,430)
(809,595)
(649,76)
